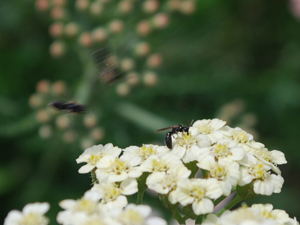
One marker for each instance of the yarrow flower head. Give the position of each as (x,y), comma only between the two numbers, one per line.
(93,154)
(264,182)
(199,193)
(257,214)
(137,215)
(144,152)
(32,214)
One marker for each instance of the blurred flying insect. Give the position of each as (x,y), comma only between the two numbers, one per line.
(175,129)
(108,65)
(69,107)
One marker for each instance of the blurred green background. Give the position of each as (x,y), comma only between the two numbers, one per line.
(235,60)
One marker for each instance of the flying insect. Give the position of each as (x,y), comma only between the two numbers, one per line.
(175,129)
(69,107)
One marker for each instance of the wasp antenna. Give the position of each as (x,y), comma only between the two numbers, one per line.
(191,123)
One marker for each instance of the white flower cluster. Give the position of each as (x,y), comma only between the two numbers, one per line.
(257,214)
(226,156)
(88,211)
(32,214)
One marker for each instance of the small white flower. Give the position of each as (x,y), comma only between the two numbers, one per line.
(243,216)
(113,193)
(265,183)
(187,146)
(223,149)
(244,139)
(137,215)
(225,171)
(117,169)
(266,211)
(97,219)
(160,164)
(199,193)
(272,158)
(32,214)
(87,205)
(144,152)
(164,183)
(93,154)
(210,128)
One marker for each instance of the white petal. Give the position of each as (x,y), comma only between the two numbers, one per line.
(155,221)
(86,168)
(129,186)
(202,207)
(263,187)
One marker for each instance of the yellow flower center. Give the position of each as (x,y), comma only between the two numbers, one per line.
(86,205)
(240,136)
(94,158)
(205,129)
(145,151)
(260,172)
(111,193)
(218,172)
(265,154)
(160,165)
(120,166)
(34,219)
(132,217)
(186,140)
(221,150)
(197,193)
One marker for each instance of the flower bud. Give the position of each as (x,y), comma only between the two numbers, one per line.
(188,7)
(99,35)
(132,78)
(57,49)
(56,29)
(71,29)
(97,134)
(69,137)
(150,6)
(161,20)
(142,49)
(96,8)
(85,39)
(59,2)
(125,6)
(123,89)
(35,100)
(42,116)
(90,120)
(150,78)
(45,131)
(82,5)
(116,26)
(154,60)
(62,122)
(43,86)
(143,28)
(127,64)
(42,5)
(58,13)
(59,87)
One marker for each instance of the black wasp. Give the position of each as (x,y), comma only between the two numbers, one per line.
(175,129)
(69,107)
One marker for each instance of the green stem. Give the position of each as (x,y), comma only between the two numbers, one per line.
(141,116)
(177,216)
(220,200)
(19,127)
(84,89)
(235,201)
(140,196)
(94,177)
